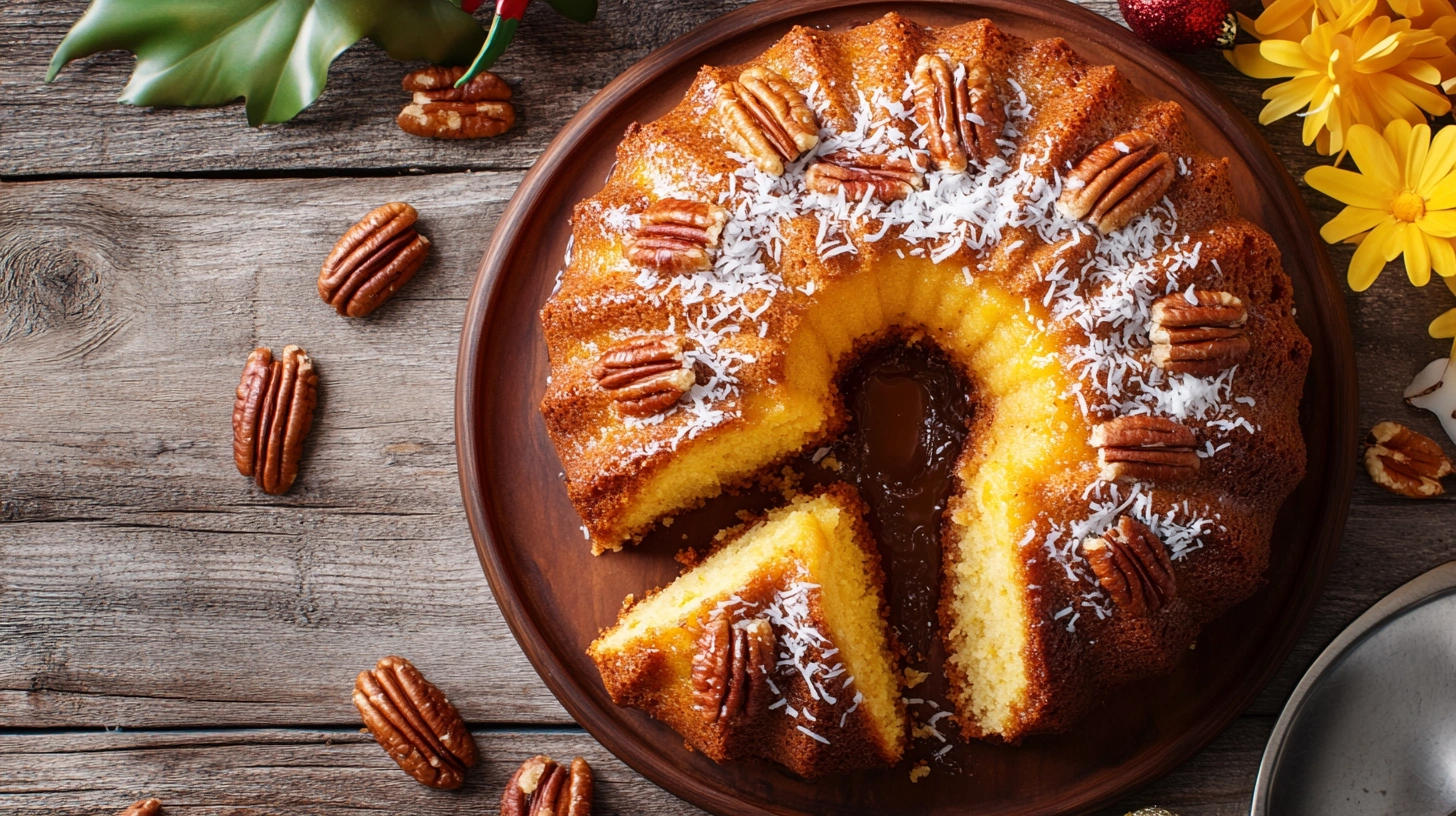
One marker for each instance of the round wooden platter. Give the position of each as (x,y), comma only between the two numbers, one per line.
(557,596)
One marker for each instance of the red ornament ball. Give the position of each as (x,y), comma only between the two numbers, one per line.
(1181,25)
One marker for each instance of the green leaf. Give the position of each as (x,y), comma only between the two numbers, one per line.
(274,53)
(502,31)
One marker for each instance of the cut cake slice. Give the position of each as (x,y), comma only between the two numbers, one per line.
(820,694)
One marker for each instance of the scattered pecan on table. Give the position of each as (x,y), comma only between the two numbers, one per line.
(479,109)
(272,415)
(541,787)
(144,807)
(1405,462)
(414,723)
(373,260)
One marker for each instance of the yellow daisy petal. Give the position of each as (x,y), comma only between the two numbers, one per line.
(1350,188)
(1351,221)
(1445,325)
(1439,161)
(1291,54)
(1418,145)
(1417,257)
(1443,258)
(1370,257)
(1374,155)
(1441,223)
(1247,60)
(1288,97)
(1281,14)
(1443,194)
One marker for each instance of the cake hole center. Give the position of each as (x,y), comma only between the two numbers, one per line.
(909,420)
(893,411)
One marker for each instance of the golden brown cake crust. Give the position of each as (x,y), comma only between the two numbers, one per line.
(1246,423)
(643,679)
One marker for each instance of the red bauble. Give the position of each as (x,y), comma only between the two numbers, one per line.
(1181,25)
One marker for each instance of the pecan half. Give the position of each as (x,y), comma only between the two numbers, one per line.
(1405,462)
(1133,566)
(766,119)
(645,375)
(881,177)
(480,108)
(1200,334)
(272,415)
(959,110)
(1117,181)
(731,664)
(144,807)
(541,787)
(414,723)
(675,235)
(373,260)
(1145,449)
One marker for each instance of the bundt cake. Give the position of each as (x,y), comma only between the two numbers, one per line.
(1129,338)
(774,646)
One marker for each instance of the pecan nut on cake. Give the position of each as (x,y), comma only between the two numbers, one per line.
(1128,337)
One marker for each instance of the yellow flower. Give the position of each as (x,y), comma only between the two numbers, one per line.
(1349,69)
(1403,201)
(1445,325)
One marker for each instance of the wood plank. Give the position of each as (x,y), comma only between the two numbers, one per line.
(145,582)
(296,771)
(285,772)
(74,125)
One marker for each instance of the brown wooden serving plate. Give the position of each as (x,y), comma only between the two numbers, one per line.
(556,596)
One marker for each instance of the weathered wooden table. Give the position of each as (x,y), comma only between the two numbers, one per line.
(168,630)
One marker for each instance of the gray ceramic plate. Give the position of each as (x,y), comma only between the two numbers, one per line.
(1371,729)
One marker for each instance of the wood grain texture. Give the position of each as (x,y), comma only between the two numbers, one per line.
(283,772)
(144,584)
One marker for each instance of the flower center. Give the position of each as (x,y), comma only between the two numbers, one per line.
(1408,206)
